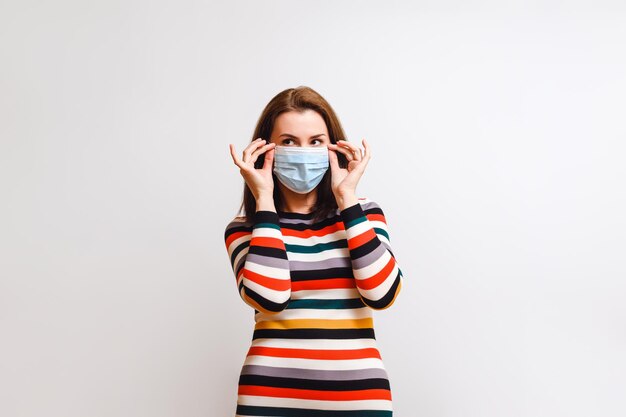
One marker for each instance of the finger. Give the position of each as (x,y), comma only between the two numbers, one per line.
(269,159)
(255,154)
(250,148)
(234,155)
(356,152)
(347,152)
(333,161)
(366,158)
(352,149)
(367,154)
(253,145)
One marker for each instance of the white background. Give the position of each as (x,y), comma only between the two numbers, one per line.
(498,138)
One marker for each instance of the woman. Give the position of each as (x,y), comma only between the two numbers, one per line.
(314,261)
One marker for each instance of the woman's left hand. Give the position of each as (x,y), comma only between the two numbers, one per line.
(345,180)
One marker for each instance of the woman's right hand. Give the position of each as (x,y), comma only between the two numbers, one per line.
(259,181)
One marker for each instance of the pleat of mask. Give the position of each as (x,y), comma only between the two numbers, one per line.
(300,168)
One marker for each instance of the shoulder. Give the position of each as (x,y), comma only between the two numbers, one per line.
(237,224)
(370,206)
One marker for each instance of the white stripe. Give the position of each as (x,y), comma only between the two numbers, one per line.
(381,225)
(272,295)
(242,253)
(326,294)
(310,313)
(267,232)
(269,271)
(336,364)
(373,268)
(314,404)
(330,344)
(358,228)
(320,256)
(237,242)
(313,240)
(382,289)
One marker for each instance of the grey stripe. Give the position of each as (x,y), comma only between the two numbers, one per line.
(338,262)
(305,221)
(370,258)
(335,375)
(268,261)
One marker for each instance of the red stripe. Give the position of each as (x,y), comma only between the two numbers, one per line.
(326,354)
(361,239)
(323,284)
(306,394)
(318,233)
(235,236)
(271,283)
(267,242)
(376,217)
(377,279)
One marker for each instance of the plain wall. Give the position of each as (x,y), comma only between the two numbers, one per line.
(497,134)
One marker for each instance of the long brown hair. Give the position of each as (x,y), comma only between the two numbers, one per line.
(297,99)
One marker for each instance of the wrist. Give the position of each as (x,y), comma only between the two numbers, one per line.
(346,200)
(265,202)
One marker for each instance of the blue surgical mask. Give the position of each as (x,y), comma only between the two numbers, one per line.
(300,168)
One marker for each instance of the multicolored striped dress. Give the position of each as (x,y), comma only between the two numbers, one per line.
(313,286)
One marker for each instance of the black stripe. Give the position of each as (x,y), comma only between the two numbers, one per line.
(249,410)
(353,212)
(236,227)
(312,274)
(321,303)
(311,226)
(314,384)
(267,251)
(265,216)
(374,210)
(236,253)
(264,302)
(386,300)
(367,333)
(365,248)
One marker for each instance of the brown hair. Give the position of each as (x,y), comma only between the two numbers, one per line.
(297,99)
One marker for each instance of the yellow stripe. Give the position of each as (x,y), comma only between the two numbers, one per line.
(316,324)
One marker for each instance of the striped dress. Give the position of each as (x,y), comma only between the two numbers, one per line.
(313,287)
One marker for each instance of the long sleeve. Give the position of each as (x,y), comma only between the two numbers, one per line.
(259,261)
(377,274)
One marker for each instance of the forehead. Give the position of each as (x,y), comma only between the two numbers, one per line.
(308,122)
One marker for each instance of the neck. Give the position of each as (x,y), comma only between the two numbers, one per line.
(297,203)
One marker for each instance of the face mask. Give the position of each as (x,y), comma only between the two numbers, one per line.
(300,168)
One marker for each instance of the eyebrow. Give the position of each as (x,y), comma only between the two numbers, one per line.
(294,136)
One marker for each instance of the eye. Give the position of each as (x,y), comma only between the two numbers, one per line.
(319,140)
(285,141)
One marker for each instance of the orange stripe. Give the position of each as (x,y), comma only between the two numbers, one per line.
(267,242)
(315,353)
(361,239)
(364,323)
(271,283)
(306,394)
(254,304)
(318,233)
(323,284)
(377,279)
(376,217)
(235,236)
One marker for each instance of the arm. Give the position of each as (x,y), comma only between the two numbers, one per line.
(259,261)
(377,274)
